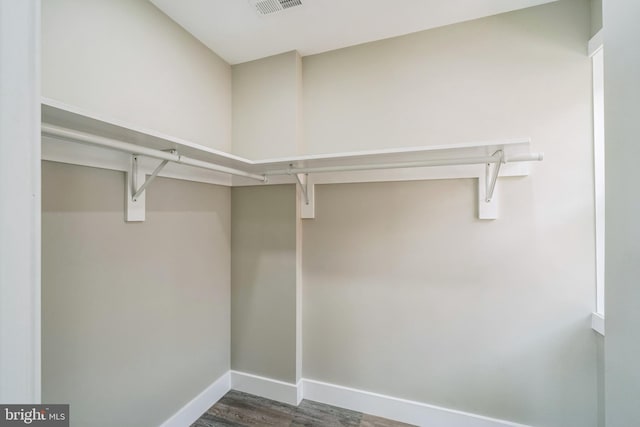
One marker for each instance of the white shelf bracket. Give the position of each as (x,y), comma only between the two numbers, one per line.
(487,191)
(135,209)
(307,190)
(136,194)
(302,183)
(149,180)
(493,172)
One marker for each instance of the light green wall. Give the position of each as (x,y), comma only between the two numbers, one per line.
(263,281)
(135,316)
(622,244)
(125,59)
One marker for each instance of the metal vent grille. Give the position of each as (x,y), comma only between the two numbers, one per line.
(286,4)
(266,7)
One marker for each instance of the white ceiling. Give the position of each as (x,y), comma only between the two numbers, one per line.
(235,31)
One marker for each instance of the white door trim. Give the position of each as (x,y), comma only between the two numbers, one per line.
(20,201)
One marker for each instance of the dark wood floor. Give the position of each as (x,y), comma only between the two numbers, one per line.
(237,409)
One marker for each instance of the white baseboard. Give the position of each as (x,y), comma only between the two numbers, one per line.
(266,387)
(189,413)
(393,408)
(402,410)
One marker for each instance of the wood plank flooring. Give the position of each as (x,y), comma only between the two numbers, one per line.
(237,409)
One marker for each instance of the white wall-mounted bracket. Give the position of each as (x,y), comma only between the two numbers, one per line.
(302,183)
(487,191)
(307,201)
(135,209)
(493,173)
(136,206)
(148,181)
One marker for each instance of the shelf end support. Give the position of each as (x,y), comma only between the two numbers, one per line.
(134,209)
(487,190)
(307,199)
(136,186)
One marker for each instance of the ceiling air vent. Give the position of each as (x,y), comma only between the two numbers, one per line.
(266,7)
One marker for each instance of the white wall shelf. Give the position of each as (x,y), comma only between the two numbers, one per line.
(76,137)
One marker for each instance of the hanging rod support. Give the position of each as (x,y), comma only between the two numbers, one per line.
(491,183)
(303,186)
(149,180)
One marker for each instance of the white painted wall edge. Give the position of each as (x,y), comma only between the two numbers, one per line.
(597,64)
(393,408)
(597,323)
(300,206)
(266,387)
(193,410)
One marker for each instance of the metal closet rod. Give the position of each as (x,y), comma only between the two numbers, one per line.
(497,157)
(57,131)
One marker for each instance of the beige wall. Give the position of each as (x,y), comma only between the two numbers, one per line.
(135,316)
(405,292)
(263,281)
(267,107)
(135,319)
(622,108)
(488,79)
(125,59)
